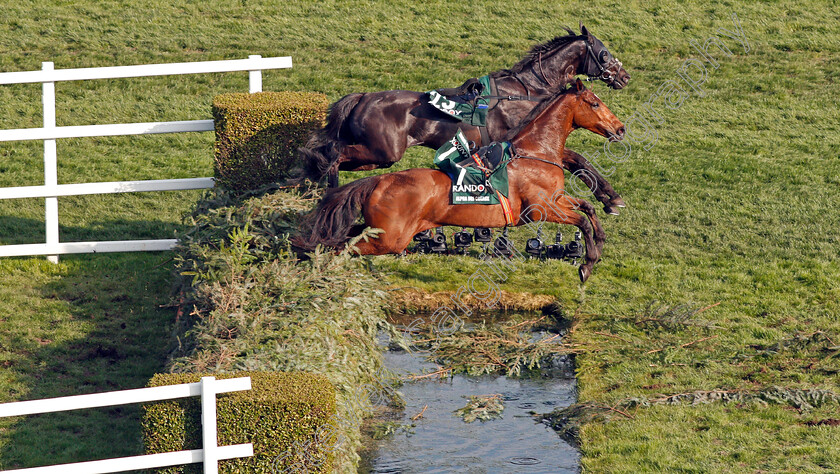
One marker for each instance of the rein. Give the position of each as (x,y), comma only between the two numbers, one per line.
(516,155)
(494,99)
(604,72)
(532,98)
(539,63)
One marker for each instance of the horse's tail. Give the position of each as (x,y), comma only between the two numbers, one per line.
(324,146)
(331,223)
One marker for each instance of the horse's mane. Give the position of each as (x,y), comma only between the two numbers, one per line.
(536,111)
(541,49)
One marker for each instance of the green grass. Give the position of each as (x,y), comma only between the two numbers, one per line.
(85,325)
(736,204)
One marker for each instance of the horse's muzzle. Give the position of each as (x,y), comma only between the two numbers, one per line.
(620,80)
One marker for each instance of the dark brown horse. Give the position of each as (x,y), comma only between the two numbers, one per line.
(411,201)
(373,130)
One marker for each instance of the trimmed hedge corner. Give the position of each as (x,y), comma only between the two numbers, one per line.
(284,415)
(257,135)
(253,305)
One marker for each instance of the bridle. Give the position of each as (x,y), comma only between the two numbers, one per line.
(604,73)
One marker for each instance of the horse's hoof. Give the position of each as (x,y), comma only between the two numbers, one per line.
(583,272)
(610,210)
(618,202)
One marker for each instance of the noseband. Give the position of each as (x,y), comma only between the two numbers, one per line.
(604,73)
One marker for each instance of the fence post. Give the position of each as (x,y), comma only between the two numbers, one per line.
(208,425)
(255,77)
(50,191)
(50,163)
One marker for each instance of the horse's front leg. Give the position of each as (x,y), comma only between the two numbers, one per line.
(597,184)
(354,158)
(565,211)
(363,157)
(377,146)
(357,158)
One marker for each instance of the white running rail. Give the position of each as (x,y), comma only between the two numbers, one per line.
(209,455)
(51,190)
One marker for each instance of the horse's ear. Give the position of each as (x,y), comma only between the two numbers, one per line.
(583,30)
(579,85)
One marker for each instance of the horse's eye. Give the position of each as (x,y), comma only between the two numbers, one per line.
(595,105)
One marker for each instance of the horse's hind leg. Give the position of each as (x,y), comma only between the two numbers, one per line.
(382,244)
(393,240)
(332,177)
(597,184)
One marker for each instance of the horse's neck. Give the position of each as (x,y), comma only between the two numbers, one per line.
(545,137)
(548,74)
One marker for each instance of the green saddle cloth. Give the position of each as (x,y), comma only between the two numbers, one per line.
(469,108)
(471,185)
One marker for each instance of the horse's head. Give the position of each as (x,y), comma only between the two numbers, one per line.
(592,114)
(555,63)
(601,64)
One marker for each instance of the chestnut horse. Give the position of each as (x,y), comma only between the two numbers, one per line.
(373,130)
(411,201)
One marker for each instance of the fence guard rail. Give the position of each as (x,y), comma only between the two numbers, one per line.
(209,455)
(51,190)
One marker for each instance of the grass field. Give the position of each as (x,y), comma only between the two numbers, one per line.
(735,204)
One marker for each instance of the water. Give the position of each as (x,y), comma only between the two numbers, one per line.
(442,442)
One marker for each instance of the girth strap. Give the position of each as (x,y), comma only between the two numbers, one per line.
(503,201)
(506,209)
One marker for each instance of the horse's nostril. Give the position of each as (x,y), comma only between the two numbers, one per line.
(621,132)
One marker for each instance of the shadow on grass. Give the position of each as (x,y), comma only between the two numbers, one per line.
(106,328)
(18,230)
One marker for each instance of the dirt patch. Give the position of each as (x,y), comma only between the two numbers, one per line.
(826,422)
(413,300)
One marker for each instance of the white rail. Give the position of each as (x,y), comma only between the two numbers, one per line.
(253,63)
(209,455)
(61,248)
(105,188)
(109,130)
(49,133)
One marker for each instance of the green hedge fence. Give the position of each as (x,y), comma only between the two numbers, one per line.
(288,417)
(257,135)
